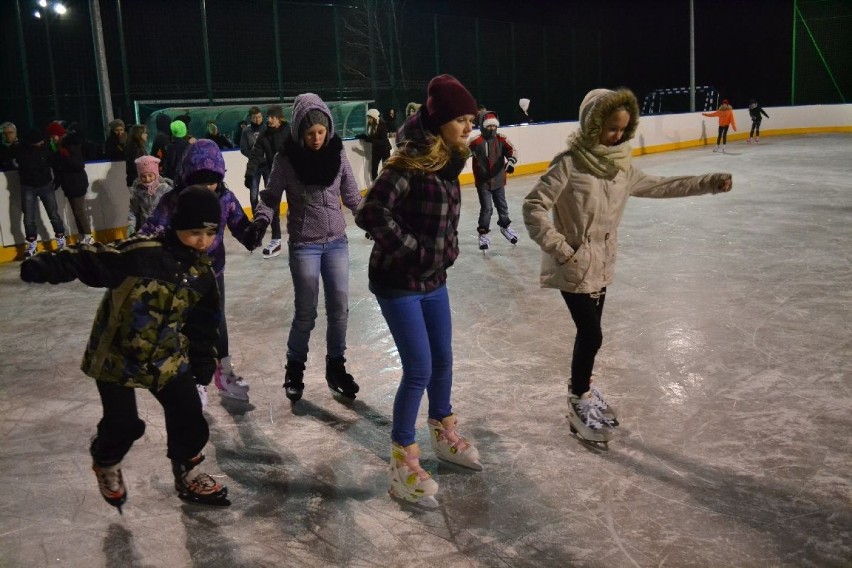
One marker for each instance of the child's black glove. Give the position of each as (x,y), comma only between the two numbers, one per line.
(247,182)
(254,234)
(510,169)
(203,369)
(31,271)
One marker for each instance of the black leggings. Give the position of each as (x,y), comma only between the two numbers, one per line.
(723,135)
(186,428)
(755,129)
(586,311)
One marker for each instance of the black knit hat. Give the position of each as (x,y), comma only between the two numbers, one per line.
(197,208)
(447,99)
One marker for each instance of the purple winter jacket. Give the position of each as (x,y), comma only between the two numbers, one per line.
(314,182)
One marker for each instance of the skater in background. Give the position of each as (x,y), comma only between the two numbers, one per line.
(313,171)
(214,135)
(493,158)
(412,213)
(116,141)
(269,142)
(523,111)
(377,137)
(69,173)
(203,164)
(147,190)
(248,138)
(411,109)
(34,171)
(726,119)
(181,141)
(134,343)
(9,146)
(137,144)
(587,187)
(391,121)
(162,139)
(757,113)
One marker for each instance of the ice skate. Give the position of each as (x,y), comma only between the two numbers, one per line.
(60,241)
(749,141)
(510,235)
(408,481)
(587,423)
(196,486)
(484,242)
(31,250)
(608,411)
(272,250)
(716,149)
(723,149)
(294,380)
(756,139)
(230,384)
(452,447)
(341,383)
(111,484)
(87,240)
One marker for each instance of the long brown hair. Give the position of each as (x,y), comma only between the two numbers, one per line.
(426,159)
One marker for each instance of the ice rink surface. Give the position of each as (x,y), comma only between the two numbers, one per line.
(727,349)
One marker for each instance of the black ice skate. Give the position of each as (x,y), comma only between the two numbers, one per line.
(341,383)
(196,486)
(294,382)
(111,484)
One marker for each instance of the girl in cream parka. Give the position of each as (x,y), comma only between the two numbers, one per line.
(587,187)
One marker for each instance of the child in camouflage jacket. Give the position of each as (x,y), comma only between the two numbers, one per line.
(155,329)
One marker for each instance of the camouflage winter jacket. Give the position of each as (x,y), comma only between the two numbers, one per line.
(159,314)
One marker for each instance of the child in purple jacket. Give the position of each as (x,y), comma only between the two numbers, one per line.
(203,164)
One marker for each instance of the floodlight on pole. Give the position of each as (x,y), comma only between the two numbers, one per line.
(44,14)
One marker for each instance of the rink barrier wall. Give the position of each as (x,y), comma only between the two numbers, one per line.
(536,145)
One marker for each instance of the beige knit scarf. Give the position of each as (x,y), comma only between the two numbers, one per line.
(601,161)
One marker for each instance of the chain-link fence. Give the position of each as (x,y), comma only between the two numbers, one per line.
(822,52)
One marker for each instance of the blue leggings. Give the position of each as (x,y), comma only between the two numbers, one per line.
(422,329)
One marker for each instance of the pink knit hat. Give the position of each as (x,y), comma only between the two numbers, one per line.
(147,164)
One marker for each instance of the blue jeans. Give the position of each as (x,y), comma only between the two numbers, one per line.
(47,195)
(498,196)
(422,329)
(307,263)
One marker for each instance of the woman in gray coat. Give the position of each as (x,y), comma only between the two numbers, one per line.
(587,187)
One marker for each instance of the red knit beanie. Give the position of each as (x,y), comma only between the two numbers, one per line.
(446,100)
(55,129)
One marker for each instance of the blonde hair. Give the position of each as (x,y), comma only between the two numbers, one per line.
(428,159)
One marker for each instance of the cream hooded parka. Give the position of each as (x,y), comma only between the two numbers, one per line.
(579,242)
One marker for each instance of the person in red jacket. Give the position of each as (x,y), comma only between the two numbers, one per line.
(726,119)
(493,157)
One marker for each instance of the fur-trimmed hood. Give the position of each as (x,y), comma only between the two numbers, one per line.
(598,105)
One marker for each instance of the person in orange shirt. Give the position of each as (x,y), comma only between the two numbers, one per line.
(726,119)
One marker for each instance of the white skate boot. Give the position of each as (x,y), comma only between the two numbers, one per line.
(608,411)
(230,384)
(587,422)
(408,481)
(716,149)
(202,396)
(510,235)
(450,446)
(484,242)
